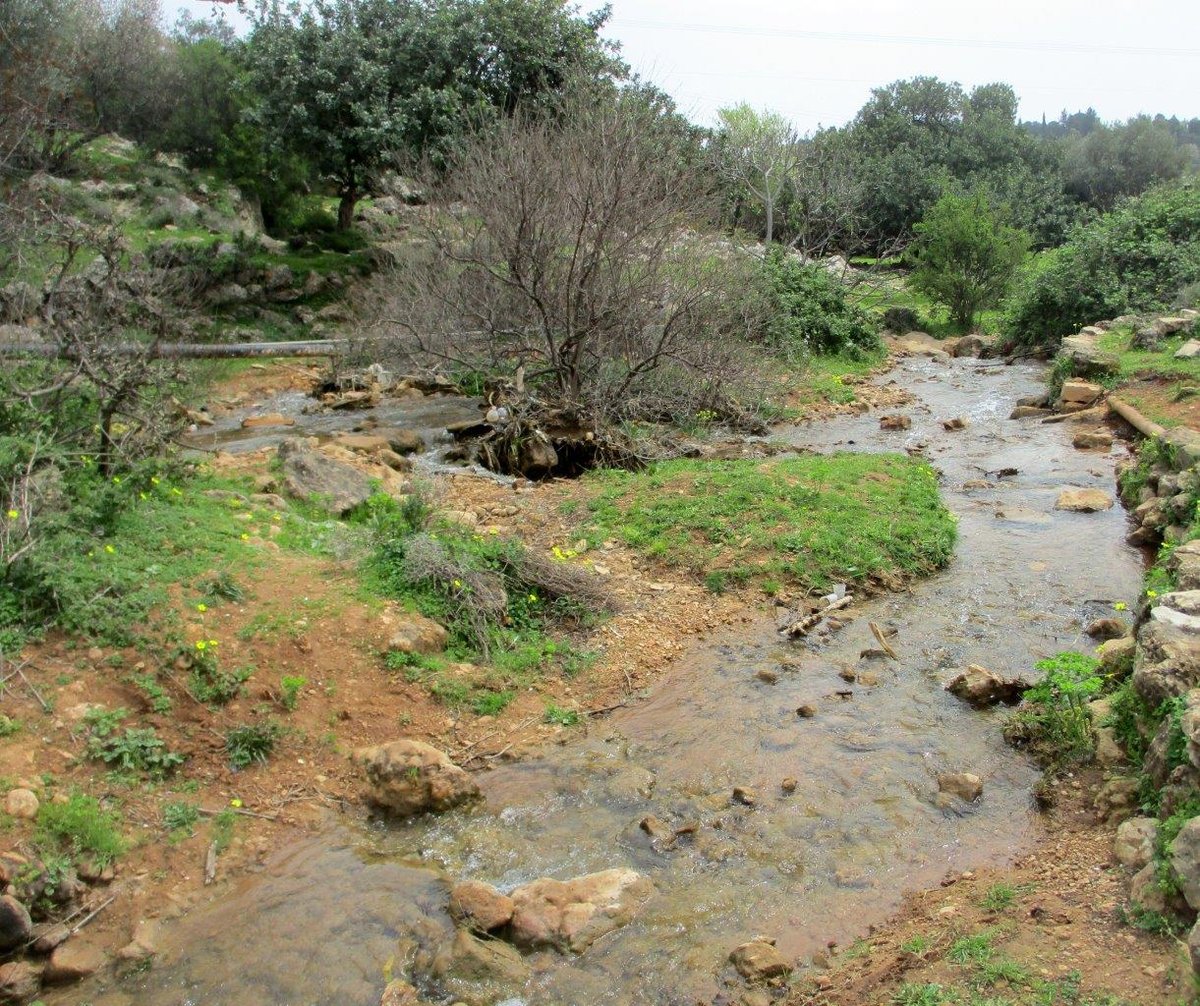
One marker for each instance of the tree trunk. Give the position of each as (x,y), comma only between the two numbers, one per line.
(770,219)
(346,208)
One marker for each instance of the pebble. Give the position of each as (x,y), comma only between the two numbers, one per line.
(806,712)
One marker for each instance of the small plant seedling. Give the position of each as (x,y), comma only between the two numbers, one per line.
(563,717)
(289,691)
(250,743)
(180,818)
(917,945)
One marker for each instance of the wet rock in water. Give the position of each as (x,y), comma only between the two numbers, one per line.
(969,345)
(15,924)
(480,906)
(981,688)
(399,993)
(760,960)
(895,423)
(362,443)
(1028,412)
(1134,844)
(1106,629)
(417,634)
(267,420)
(22,803)
(411,777)
(571,915)
(1091,440)
(656,829)
(49,938)
(1084,500)
(310,475)
(401,441)
(806,712)
(19,982)
(766,675)
(1185,860)
(971,484)
(964,785)
(467,958)
(789,785)
(72,962)
(950,425)
(745,795)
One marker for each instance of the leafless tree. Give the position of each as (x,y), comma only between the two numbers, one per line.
(562,249)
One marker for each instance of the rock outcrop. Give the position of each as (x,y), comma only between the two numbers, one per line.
(408,777)
(981,688)
(570,915)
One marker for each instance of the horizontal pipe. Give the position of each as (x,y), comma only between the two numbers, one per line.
(187,350)
(1144,426)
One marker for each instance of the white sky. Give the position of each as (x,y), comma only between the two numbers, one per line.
(816,62)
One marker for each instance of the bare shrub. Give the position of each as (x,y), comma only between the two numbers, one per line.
(562,250)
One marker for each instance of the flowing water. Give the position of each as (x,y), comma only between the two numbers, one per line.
(319,926)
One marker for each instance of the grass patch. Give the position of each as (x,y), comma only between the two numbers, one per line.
(822,378)
(812,521)
(1159,363)
(79,828)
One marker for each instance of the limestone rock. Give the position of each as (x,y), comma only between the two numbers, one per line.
(981,688)
(1106,629)
(1134,844)
(480,906)
(759,961)
(1084,500)
(22,803)
(19,982)
(1185,859)
(896,422)
(72,962)
(15,924)
(1167,663)
(571,915)
(266,420)
(411,777)
(964,785)
(1194,947)
(1028,412)
(362,443)
(970,345)
(1189,350)
(469,959)
(1184,562)
(417,634)
(1144,890)
(1080,393)
(1092,440)
(402,441)
(310,475)
(1116,656)
(1116,799)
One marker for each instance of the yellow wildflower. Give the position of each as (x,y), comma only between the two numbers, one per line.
(13,514)
(201,644)
(109,549)
(235,802)
(202,607)
(1120,606)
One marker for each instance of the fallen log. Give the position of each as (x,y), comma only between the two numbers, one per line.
(802,626)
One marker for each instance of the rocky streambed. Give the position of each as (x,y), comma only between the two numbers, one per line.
(769,788)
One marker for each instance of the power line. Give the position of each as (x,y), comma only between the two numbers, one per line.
(848,36)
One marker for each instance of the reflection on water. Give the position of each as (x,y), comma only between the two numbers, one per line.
(818,864)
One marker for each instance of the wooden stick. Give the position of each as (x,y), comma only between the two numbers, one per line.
(883,643)
(36,694)
(801,627)
(210,864)
(237,810)
(92,914)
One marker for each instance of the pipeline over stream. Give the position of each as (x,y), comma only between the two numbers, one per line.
(321,924)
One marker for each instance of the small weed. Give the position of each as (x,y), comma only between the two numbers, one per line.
(911,994)
(1149,921)
(156,696)
(9,726)
(213,686)
(1001,969)
(289,691)
(222,829)
(1001,896)
(180,818)
(250,743)
(972,949)
(133,750)
(859,948)
(1054,721)
(917,945)
(222,586)
(491,703)
(563,717)
(80,827)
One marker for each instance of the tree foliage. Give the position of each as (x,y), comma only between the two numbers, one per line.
(966,255)
(1137,258)
(758,151)
(810,312)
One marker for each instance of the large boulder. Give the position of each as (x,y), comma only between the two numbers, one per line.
(1134,844)
(415,633)
(15,923)
(401,441)
(1149,894)
(760,960)
(1185,860)
(480,906)
(1084,500)
(409,777)
(570,915)
(310,475)
(981,688)
(72,962)
(1168,660)
(1184,562)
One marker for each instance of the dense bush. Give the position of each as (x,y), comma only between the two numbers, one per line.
(1137,258)
(810,311)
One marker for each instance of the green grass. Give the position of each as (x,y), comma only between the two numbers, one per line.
(79,828)
(935,319)
(1178,376)
(821,379)
(812,521)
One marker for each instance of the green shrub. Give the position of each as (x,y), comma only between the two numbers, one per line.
(810,313)
(135,750)
(180,817)
(1137,258)
(289,690)
(251,743)
(901,320)
(1054,720)
(80,827)
(562,717)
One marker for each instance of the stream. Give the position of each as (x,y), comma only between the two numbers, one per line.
(319,926)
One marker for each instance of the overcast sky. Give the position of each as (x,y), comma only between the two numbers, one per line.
(816,62)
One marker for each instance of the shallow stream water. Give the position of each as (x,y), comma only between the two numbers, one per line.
(319,926)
